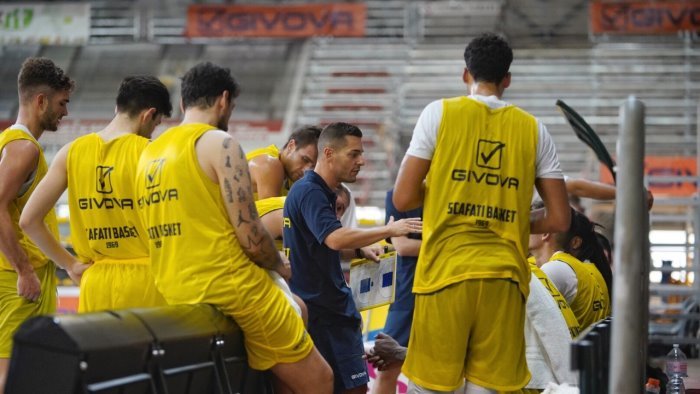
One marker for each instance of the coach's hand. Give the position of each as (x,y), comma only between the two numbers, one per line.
(28,286)
(404,226)
(372,252)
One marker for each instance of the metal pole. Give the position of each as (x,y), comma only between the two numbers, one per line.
(631,256)
(695,208)
(297,89)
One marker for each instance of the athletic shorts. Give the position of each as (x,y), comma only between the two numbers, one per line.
(472,329)
(14,310)
(282,284)
(400,317)
(342,347)
(273,332)
(111,284)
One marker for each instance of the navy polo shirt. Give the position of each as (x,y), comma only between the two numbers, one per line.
(317,277)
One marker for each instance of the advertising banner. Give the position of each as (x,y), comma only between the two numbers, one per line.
(644,17)
(45,23)
(658,166)
(288,21)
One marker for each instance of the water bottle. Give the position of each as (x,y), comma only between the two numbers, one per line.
(676,363)
(675,385)
(676,370)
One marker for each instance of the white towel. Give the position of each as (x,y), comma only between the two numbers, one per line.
(547,339)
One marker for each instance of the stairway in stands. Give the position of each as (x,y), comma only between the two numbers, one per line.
(349,81)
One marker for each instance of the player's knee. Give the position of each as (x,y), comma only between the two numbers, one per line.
(322,377)
(326,376)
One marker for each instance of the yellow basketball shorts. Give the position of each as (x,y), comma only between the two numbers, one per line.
(273,331)
(14,310)
(111,284)
(473,329)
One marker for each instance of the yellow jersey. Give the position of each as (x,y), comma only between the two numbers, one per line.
(476,218)
(195,255)
(591,302)
(36,257)
(271,204)
(272,151)
(267,205)
(102,197)
(569,316)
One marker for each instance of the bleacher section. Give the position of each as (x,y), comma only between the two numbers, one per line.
(412,55)
(383,86)
(350,82)
(593,81)
(99,70)
(12,58)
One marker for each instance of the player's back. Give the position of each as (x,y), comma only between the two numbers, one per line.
(195,254)
(102,197)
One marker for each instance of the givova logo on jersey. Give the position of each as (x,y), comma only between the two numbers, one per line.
(104,179)
(103,185)
(154,171)
(489,156)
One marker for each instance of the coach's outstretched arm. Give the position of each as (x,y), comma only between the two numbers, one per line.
(353,238)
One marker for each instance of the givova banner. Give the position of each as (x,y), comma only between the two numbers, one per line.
(287,20)
(45,23)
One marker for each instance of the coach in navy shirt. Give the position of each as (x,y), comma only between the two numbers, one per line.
(313,237)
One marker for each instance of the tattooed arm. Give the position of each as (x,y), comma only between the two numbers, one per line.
(222,158)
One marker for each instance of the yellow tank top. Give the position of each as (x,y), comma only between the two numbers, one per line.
(592,302)
(193,245)
(102,197)
(36,257)
(271,151)
(564,307)
(267,205)
(476,218)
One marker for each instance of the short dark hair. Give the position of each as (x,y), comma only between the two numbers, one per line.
(40,72)
(141,92)
(343,191)
(488,58)
(203,83)
(303,136)
(334,134)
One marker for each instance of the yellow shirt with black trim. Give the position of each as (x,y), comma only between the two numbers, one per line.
(195,254)
(566,311)
(272,151)
(102,197)
(591,302)
(36,257)
(476,219)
